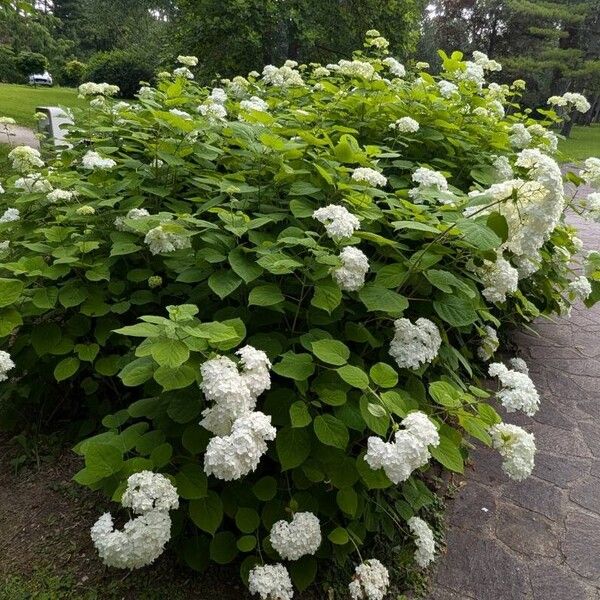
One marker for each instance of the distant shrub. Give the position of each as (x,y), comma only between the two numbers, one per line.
(122,68)
(73,73)
(28,63)
(8,65)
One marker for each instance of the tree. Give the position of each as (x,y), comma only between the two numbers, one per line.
(31,62)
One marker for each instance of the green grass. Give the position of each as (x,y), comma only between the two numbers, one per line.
(583,143)
(20,101)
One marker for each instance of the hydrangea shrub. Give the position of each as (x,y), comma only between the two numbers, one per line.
(282,293)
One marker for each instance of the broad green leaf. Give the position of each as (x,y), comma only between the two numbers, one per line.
(445,394)
(223,547)
(331,431)
(247,520)
(455,310)
(191,482)
(265,295)
(175,378)
(338,536)
(66,368)
(384,375)
(299,414)
(295,366)
(137,371)
(293,447)
(169,353)
(223,283)
(327,295)
(378,298)
(331,352)
(354,376)
(102,460)
(207,512)
(303,572)
(347,500)
(448,454)
(10,291)
(244,265)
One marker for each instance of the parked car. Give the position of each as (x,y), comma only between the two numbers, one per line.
(41,79)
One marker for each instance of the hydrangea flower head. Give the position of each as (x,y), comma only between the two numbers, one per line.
(518,391)
(415,344)
(370,176)
(517,448)
(370,582)
(424,541)
(271,582)
(339,222)
(355,265)
(300,537)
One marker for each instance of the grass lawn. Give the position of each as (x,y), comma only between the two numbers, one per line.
(583,143)
(20,101)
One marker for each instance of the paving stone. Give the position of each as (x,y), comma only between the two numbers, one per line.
(591,435)
(473,508)
(581,544)
(561,470)
(558,441)
(550,581)
(525,531)
(586,493)
(536,495)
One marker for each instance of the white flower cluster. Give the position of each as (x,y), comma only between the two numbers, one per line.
(578,288)
(518,391)
(518,364)
(92,160)
(6,364)
(378,42)
(407,452)
(591,171)
(517,448)
(447,88)
(296,539)
(353,68)
(86,210)
(33,183)
(370,176)
(181,113)
(415,344)
(486,63)
(133,214)
(98,89)
(7,121)
(543,137)
(500,278)
(254,103)
(590,206)
(25,159)
(10,215)
(161,241)
(503,168)
(142,540)
(519,136)
(240,434)
(405,125)
(370,581)
(429,181)
(355,265)
(183,72)
(271,582)
(396,68)
(571,100)
(188,61)
(60,196)
(489,344)
(285,76)
(339,222)
(213,111)
(473,73)
(424,541)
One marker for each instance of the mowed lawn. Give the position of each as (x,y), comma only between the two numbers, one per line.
(20,101)
(583,143)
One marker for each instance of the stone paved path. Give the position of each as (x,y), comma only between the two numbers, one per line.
(19,136)
(539,539)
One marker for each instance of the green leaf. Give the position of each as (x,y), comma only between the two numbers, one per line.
(168,352)
(299,415)
(45,297)
(244,265)
(456,310)
(246,543)
(191,482)
(303,572)
(140,330)
(207,512)
(293,447)
(331,352)
(375,416)
(354,376)
(384,375)
(265,489)
(295,366)
(175,378)
(327,295)
(265,295)
(161,455)
(10,291)
(70,295)
(378,298)
(448,454)
(223,547)
(87,352)
(445,394)
(10,319)
(331,431)
(66,368)
(102,460)
(478,234)
(476,427)
(339,536)
(247,520)
(347,500)
(223,283)
(137,371)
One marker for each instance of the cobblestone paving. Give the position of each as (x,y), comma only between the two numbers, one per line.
(539,539)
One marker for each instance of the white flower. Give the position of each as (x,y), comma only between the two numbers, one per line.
(570,99)
(139,543)
(379,42)
(394,66)
(60,196)
(4,245)
(428,180)
(355,265)
(183,72)
(255,103)
(424,541)
(188,61)
(486,63)
(255,370)
(518,364)
(406,125)
(33,183)
(235,455)
(518,391)
(134,214)
(422,65)
(354,68)
(503,168)
(6,364)
(591,172)
(94,89)
(218,95)
(339,222)
(284,76)
(25,158)
(300,537)
(415,344)
(1,190)
(86,210)
(447,88)
(499,278)
(517,448)
(7,121)
(10,215)
(161,241)
(543,137)
(147,491)
(181,113)
(146,93)
(92,160)
(213,111)
(578,288)
(489,344)
(370,581)
(320,72)
(590,206)
(271,582)
(519,136)
(473,73)
(370,176)
(408,451)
